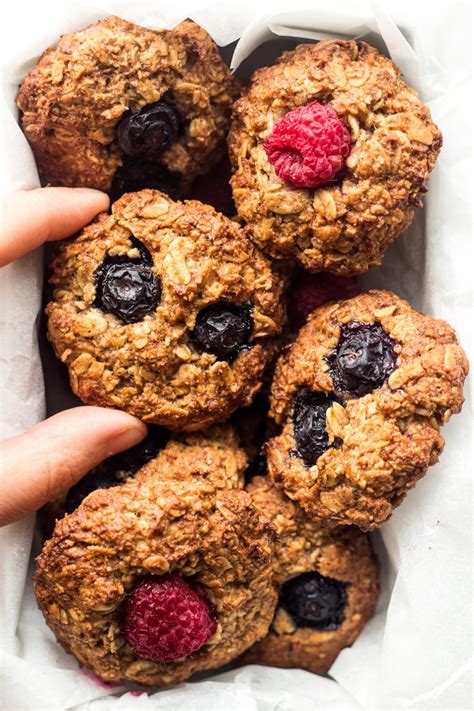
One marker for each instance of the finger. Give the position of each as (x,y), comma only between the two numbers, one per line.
(48,459)
(31,217)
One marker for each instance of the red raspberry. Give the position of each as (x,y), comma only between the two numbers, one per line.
(309,145)
(166,619)
(312,290)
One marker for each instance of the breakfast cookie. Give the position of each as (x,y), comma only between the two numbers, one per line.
(165,310)
(166,575)
(327,581)
(360,397)
(331,151)
(120,108)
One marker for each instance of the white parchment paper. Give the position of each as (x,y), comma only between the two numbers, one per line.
(415,653)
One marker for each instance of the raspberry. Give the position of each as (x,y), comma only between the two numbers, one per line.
(309,145)
(313,290)
(167,619)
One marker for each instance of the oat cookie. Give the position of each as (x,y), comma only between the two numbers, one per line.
(221,458)
(119,107)
(166,575)
(328,585)
(361,396)
(165,310)
(354,144)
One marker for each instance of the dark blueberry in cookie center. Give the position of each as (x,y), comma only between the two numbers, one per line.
(149,130)
(313,600)
(128,290)
(363,358)
(309,425)
(223,329)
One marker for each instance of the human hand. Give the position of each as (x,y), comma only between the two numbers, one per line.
(45,461)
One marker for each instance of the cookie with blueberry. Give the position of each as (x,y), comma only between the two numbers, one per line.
(360,398)
(120,108)
(165,310)
(166,575)
(327,582)
(331,152)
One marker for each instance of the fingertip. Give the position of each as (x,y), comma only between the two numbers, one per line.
(72,208)
(95,197)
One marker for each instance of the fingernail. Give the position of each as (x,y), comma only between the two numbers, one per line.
(126,439)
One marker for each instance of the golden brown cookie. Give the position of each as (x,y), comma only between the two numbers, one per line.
(360,397)
(221,459)
(165,310)
(119,107)
(166,575)
(328,584)
(345,223)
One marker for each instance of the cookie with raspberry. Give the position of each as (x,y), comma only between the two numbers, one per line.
(327,582)
(331,152)
(360,398)
(165,310)
(164,576)
(120,108)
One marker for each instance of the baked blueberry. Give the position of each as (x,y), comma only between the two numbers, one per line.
(363,358)
(314,600)
(129,290)
(309,422)
(148,131)
(223,329)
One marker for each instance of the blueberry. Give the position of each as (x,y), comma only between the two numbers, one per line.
(138,173)
(149,130)
(313,600)
(128,289)
(309,425)
(223,329)
(116,469)
(362,360)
